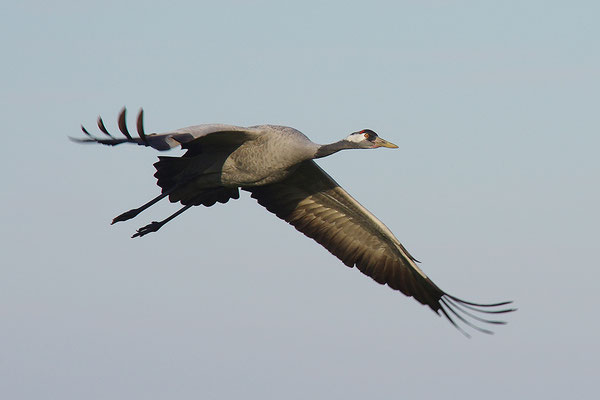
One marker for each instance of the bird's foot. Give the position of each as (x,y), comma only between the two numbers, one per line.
(125,216)
(152,227)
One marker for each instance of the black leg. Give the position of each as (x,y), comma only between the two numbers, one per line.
(132,213)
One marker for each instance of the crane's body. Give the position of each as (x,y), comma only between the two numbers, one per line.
(257,162)
(275,164)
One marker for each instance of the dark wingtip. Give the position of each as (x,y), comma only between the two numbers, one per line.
(102,128)
(86,131)
(79,140)
(455,310)
(123,123)
(485,305)
(463,311)
(140,126)
(449,318)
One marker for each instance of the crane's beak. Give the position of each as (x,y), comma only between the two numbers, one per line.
(379,142)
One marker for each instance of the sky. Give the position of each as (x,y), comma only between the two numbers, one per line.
(494,189)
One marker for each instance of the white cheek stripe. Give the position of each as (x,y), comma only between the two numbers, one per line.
(356,138)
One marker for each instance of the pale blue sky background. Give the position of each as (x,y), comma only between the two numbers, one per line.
(495,188)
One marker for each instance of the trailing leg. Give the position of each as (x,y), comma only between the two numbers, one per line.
(156,225)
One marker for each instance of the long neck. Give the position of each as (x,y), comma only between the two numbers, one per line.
(328,149)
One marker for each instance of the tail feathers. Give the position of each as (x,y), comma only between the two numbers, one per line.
(181,182)
(206,197)
(170,171)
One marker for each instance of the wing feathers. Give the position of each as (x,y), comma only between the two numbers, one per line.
(318,207)
(140,126)
(123,125)
(103,128)
(186,137)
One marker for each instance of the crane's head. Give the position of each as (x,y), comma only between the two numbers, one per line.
(368,139)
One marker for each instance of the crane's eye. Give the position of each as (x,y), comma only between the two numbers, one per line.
(368,134)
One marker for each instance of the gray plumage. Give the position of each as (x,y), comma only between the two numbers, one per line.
(275,164)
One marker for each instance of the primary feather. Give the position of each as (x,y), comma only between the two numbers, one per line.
(275,164)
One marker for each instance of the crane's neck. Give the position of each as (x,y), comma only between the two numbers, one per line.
(328,149)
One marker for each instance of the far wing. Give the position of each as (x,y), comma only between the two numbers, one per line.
(212,134)
(318,207)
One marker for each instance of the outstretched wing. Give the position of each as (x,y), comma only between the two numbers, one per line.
(317,206)
(199,135)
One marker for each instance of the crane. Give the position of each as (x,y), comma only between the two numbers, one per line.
(275,164)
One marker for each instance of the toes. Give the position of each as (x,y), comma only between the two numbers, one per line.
(152,227)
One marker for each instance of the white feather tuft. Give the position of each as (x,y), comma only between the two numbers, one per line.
(356,137)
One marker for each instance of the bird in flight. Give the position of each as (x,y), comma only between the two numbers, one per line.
(276,165)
